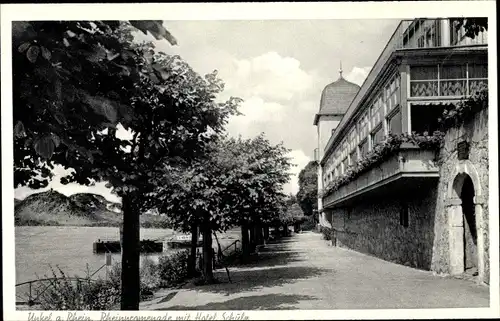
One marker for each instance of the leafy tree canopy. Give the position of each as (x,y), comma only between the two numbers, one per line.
(239,182)
(472,26)
(87,78)
(307,196)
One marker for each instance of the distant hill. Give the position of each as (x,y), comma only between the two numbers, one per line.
(83,209)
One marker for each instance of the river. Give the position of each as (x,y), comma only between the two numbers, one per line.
(70,248)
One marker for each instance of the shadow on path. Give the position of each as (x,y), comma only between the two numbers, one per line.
(271,267)
(248,280)
(268,258)
(252,302)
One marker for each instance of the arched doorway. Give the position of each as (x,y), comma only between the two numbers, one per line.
(470,230)
(465,222)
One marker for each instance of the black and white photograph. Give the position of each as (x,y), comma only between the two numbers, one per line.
(240,161)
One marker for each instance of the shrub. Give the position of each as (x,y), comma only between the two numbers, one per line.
(327,233)
(172,269)
(309,224)
(66,293)
(149,277)
(456,115)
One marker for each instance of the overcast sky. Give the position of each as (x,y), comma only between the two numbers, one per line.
(279,68)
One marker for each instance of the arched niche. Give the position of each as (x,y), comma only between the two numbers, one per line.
(463,172)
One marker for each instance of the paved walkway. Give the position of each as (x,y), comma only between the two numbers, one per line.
(302,272)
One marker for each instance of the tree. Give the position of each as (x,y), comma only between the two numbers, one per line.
(472,26)
(109,80)
(198,197)
(292,213)
(55,68)
(260,197)
(307,196)
(237,183)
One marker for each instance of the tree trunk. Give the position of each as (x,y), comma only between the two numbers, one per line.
(192,256)
(285,230)
(207,251)
(131,288)
(258,234)
(245,242)
(266,232)
(252,238)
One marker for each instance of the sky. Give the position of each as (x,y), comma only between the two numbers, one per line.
(278,67)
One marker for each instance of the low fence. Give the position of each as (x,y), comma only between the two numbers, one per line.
(34,289)
(218,257)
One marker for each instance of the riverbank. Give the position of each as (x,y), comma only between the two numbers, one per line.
(111,220)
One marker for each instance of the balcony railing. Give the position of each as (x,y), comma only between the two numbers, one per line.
(409,162)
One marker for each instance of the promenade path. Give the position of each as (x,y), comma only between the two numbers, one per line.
(303,272)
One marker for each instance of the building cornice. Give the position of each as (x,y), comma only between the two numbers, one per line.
(318,116)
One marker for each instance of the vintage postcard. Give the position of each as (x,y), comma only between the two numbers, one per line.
(240,161)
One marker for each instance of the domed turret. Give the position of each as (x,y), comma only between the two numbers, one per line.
(336,98)
(335,101)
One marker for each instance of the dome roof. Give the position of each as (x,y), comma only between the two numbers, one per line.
(336,98)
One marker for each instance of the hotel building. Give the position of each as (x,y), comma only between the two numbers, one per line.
(419,207)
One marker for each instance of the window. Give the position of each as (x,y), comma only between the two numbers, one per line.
(478,71)
(376,111)
(478,77)
(425,118)
(456,35)
(352,140)
(377,135)
(363,148)
(363,126)
(421,42)
(404,214)
(353,156)
(432,34)
(452,80)
(345,164)
(392,94)
(424,81)
(395,125)
(447,80)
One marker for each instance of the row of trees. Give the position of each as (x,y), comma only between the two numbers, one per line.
(237,183)
(76,83)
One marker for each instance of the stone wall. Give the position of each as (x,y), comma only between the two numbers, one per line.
(374,228)
(474,131)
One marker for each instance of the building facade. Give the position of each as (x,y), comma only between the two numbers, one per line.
(419,207)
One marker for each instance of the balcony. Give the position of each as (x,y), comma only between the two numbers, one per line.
(410,167)
(412,36)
